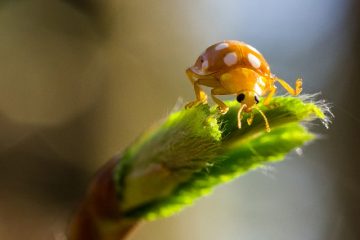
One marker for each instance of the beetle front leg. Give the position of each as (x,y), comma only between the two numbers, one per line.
(201,97)
(221,105)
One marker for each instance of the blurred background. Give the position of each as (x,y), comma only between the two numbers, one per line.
(81,79)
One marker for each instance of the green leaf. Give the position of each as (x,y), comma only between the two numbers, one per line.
(195,149)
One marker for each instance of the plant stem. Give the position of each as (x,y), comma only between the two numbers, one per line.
(99,216)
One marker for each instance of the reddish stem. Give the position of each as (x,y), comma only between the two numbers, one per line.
(99,216)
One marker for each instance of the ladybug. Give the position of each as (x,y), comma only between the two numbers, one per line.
(236,68)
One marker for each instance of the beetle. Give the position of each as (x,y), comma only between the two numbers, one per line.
(236,68)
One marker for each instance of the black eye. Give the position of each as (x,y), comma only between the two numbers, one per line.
(201,60)
(256,99)
(240,97)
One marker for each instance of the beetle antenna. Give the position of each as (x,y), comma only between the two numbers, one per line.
(239,115)
(267,126)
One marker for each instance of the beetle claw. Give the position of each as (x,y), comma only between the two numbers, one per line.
(194,104)
(223,110)
(298,86)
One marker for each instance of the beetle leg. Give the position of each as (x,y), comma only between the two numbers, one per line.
(289,89)
(270,95)
(201,97)
(200,94)
(221,105)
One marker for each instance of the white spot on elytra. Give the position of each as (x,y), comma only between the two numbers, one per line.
(221,46)
(205,65)
(230,59)
(254,61)
(258,89)
(252,48)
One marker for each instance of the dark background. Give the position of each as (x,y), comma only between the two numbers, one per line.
(79,80)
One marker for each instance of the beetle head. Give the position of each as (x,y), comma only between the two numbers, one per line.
(249,99)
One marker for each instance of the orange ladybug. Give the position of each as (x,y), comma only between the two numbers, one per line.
(233,67)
